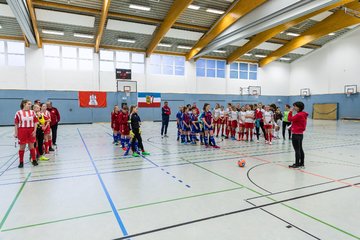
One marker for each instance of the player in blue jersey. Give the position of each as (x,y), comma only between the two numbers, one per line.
(179,122)
(207,120)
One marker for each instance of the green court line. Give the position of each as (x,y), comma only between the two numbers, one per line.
(13,202)
(122,209)
(272,199)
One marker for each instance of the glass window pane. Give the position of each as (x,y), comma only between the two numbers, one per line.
(106,55)
(2,59)
(52,51)
(210,73)
(123,56)
(123,65)
(2,46)
(107,66)
(168,60)
(86,53)
(155,59)
(253,67)
(220,64)
(253,75)
(138,57)
(210,63)
(16,60)
(69,52)
(52,63)
(234,66)
(155,69)
(244,75)
(200,72)
(138,67)
(86,65)
(69,64)
(179,71)
(168,70)
(200,63)
(244,67)
(234,74)
(16,47)
(221,73)
(180,61)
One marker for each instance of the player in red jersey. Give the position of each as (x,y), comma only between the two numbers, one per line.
(233,121)
(222,120)
(241,118)
(124,127)
(249,122)
(115,124)
(268,119)
(46,128)
(25,131)
(217,120)
(228,120)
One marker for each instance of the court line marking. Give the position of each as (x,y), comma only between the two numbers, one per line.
(117,216)
(124,209)
(14,201)
(245,210)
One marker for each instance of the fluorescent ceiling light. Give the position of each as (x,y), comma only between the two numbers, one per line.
(81,35)
(219,51)
(0,27)
(211,10)
(124,40)
(285,59)
(259,56)
(139,7)
(52,32)
(331,34)
(292,34)
(194,7)
(164,45)
(183,47)
(248,54)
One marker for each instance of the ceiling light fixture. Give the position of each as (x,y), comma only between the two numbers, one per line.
(292,34)
(139,7)
(331,34)
(81,35)
(124,40)
(53,32)
(164,45)
(183,47)
(194,7)
(285,59)
(219,51)
(211,10)
(248,54)
(260,56)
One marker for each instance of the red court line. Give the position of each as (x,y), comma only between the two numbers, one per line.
(300,170)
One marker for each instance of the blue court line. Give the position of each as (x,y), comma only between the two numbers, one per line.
(114,209)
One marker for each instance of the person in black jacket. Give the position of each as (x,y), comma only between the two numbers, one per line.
(135,122)
(166,112)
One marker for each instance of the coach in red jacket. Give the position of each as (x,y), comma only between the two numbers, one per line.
(55,119)
(298,127)
(166,112)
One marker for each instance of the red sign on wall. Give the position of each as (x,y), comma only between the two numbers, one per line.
(92,99)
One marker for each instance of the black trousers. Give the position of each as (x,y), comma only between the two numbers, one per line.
(257,129)
(284,125)
(164,125)
(54,133)
(137,137)
(40,140)
(297,140)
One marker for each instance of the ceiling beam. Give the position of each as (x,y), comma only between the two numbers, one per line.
(176,9)
(59,42)
(18,38)
(333,23)
(284,41)
(104,14)
(272,32)
(27,44)
(234,13)
(34,23)
(122,16)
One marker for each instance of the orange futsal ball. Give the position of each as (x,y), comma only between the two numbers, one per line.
(241,163)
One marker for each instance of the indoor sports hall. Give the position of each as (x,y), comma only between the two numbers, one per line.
(179,119)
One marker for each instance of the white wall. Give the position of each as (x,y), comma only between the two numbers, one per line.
(273,79)
(328,69)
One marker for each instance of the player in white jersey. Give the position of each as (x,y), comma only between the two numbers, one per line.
(268,118)
(241,118)
(234,122)
(217,120)
(249,122)
(222,120)
(25,131)
(228,120)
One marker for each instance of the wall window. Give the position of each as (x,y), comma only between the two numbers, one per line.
(68,58)
(210,68)
(12,53)
(244,71)
(167,65)
(109,60)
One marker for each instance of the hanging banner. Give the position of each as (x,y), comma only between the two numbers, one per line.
(92,99)
(149,100)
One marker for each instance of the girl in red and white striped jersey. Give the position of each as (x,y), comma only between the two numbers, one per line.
(222,120)
(249,122)
(233,122)
(46,128)
(25,131)
(268,118)
(217,120)
(228,120)
(241,118)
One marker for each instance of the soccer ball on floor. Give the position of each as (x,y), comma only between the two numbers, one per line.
(241,163)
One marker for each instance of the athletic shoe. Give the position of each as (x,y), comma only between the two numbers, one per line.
(116,143)
(302,166)
(266,142)
(193,143)
(202,143)
(43,158)
(34,163)
(51,149)
(21,165)
(294,166)
(207,146)
(162,136)
(145,153)
(215,146)
(166,136)
(217,136)
(177,139)
(270,143)
(257,141)
(135,155)
(124,148)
